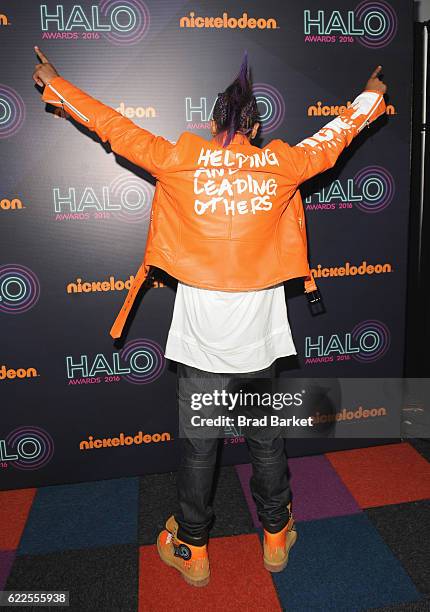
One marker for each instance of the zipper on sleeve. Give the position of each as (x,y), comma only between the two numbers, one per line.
(372,112)
(62,99)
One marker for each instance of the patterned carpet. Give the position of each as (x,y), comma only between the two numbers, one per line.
(362,515)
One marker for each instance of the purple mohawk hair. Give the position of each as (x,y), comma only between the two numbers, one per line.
(243,76)
(236,108)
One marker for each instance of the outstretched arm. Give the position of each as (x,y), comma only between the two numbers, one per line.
(319,152)
(126,138)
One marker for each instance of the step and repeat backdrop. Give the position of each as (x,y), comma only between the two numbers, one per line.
(77,405)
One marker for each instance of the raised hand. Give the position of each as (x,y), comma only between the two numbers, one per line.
(44,71)
(375,83)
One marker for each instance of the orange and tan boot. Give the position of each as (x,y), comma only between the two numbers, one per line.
(276,546)
(191,561)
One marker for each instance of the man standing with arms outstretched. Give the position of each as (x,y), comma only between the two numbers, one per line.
(228,224)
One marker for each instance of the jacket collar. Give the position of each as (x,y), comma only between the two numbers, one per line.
(238,139)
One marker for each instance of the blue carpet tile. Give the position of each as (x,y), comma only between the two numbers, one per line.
(342,564)
(82,516)
(416,606)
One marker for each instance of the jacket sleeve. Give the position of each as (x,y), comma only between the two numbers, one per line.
(125,137)
(321,151)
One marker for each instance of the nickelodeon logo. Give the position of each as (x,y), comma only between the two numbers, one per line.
(122,440)
(11,373)
(136,111)
(139,112)
(358,414)
(364,269)
(14,204)
(101,286)
(324,110)
(4,21)
(225,21)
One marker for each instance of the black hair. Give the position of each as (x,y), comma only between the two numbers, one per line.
(236,108)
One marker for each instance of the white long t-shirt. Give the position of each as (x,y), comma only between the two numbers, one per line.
(229,331)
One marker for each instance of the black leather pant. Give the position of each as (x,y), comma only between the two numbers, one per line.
(270,479)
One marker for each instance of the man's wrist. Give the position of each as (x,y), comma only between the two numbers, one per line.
(374,91)
(51,79)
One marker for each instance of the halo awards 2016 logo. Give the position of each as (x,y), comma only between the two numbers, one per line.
(12,111)
(270,101)
(373,24)
(367,342)
(370,190)
(271,106)
(121,23)
(140,362)
(127,199)
(26,448)
(19,289)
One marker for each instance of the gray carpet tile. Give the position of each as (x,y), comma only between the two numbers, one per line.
(232,516)
(157,500)
(98,579)
(421,445)
(406,529)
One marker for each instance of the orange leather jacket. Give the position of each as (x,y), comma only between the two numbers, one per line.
(231,218)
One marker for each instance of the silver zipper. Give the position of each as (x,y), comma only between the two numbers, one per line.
(367,121)
(68,104)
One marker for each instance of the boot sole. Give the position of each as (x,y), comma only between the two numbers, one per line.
(271,567)
(197,583)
